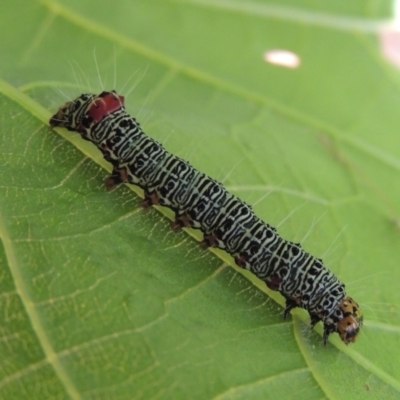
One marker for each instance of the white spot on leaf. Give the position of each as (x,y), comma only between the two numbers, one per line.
(282,58)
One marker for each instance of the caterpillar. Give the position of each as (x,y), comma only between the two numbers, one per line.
(201,202)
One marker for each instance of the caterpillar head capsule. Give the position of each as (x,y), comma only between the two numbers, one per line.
(350,325)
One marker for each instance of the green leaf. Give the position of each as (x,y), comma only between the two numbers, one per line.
(101,300)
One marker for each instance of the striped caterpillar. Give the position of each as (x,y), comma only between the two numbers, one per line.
(202,203)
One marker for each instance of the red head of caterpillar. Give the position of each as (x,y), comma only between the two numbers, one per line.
(202,203)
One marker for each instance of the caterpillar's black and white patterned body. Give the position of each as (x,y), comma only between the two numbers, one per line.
(201,202)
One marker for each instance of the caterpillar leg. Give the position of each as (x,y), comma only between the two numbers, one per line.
(150,199)
(204,244)
(290,305)
(107,154)
(327,331)
(241,261)
(176,226)
(274,283)
(181,221)
(314,320)
(117,177)
(328,327)
(208,241)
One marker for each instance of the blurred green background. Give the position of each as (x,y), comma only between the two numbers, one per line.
(100,300)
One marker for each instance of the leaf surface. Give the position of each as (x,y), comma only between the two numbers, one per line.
(101,300)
